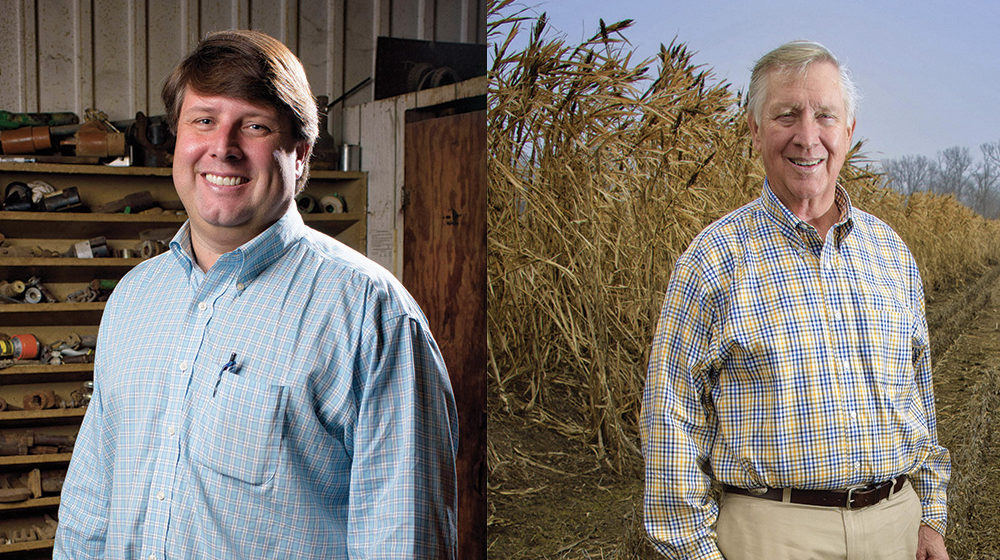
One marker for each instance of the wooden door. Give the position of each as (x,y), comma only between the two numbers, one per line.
(444,267)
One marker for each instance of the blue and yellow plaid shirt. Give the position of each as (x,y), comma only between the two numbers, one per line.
(331,434)
(782,360)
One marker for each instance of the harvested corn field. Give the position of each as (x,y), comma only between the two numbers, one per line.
(602,168)
(551,497)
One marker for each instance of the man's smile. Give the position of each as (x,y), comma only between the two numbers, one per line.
(225,181)
(801,162)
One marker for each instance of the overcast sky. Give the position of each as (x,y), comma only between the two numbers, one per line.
(928,70)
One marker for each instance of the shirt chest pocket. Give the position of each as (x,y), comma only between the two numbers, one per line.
(239,433)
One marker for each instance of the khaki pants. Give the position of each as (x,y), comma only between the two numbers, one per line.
(757,529)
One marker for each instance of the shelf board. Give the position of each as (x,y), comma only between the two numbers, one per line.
(17,375)
(27,546)
(50,417)
(331,224)
(45,459)
(66,269)
(46,314)
(33,503)
(83,169)
(315,173)
(42,225)
(135,170)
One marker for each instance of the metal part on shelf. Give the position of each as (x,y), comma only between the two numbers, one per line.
(130,204)
(11,289)
(333,204)
(62,201)
(32,295)
(305,203)
(151,247)
(19,347)
(26,140)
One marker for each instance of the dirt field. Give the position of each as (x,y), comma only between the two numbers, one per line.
(550,497)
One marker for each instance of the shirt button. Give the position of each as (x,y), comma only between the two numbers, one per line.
(240,286)
(857,466)
(202,305)
(854,415)
(161,496)
(183,366)
(171,431)
(152,557)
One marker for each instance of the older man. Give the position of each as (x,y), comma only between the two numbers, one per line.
(791,360)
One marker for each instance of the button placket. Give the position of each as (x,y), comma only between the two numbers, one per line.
(166,472)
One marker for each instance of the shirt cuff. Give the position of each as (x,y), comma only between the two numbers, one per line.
(938,525)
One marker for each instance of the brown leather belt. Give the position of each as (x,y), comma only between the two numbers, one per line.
(852,498)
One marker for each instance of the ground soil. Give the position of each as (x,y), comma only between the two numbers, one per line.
(552,497)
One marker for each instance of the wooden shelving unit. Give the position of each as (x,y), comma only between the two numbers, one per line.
(50,322)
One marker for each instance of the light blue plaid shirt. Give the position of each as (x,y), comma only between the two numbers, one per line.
(332,435)
(784,360)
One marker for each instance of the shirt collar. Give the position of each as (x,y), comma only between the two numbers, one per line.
(253,257)
(776,209)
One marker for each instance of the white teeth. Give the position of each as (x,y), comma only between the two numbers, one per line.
(224,181)
(805,162)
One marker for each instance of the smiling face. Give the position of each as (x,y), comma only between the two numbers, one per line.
(235,166)
(804,136)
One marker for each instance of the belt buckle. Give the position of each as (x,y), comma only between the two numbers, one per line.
(868,488)
(850,496)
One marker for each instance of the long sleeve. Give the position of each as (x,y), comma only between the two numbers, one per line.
(85,498)
(403,485)
(677,427)
(931,479)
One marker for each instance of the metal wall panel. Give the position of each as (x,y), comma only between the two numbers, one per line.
(114,55)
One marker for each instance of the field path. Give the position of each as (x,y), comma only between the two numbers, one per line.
(965,338)
(966,341)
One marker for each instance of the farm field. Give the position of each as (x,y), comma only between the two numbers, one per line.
(551,497)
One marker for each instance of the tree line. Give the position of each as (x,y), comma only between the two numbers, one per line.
(955,171)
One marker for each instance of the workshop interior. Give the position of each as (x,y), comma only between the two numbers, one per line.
(398,173)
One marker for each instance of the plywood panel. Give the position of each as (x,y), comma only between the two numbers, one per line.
(445,270)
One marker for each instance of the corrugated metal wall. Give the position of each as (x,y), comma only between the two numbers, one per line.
(114,55)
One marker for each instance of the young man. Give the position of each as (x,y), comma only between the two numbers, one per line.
(791,360)
(261,390)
